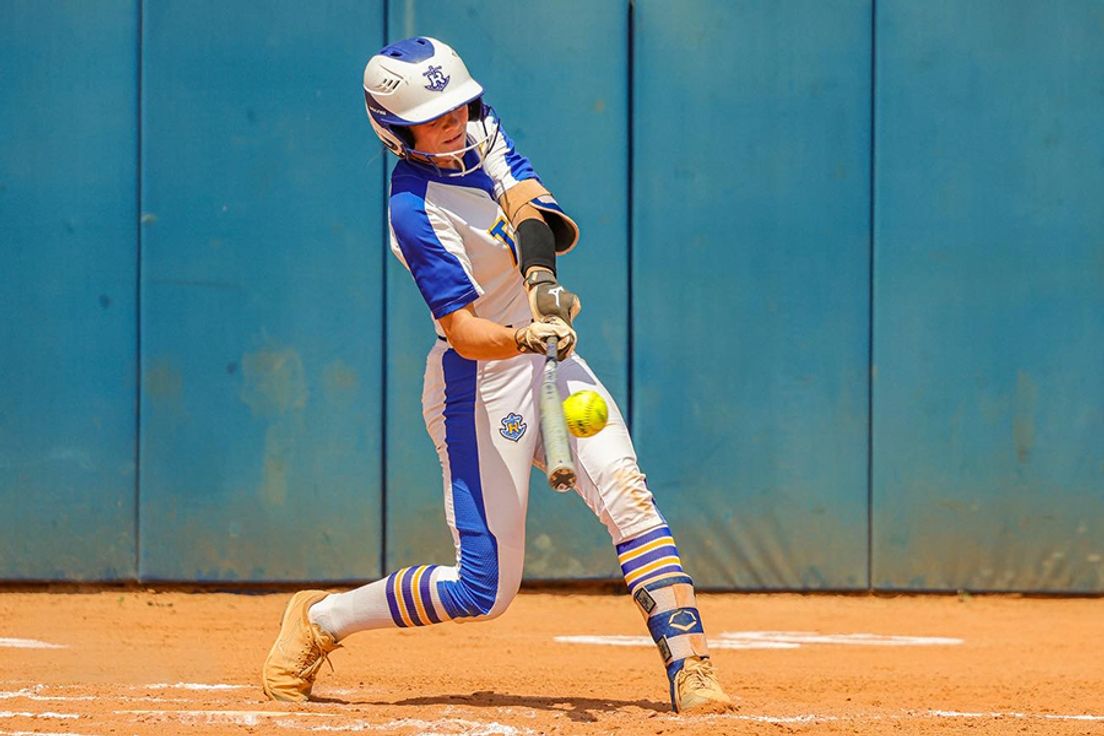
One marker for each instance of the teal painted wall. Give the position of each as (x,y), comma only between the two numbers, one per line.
(750,263)
(989,292)
(68,154)
(260,313)
(841,266)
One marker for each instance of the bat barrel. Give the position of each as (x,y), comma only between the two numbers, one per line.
(557,447)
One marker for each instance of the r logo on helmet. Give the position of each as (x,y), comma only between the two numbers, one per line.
(438,80)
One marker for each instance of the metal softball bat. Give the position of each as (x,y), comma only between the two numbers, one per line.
(557,448)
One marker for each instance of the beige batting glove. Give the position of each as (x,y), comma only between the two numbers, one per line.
(548,298)
(534,338)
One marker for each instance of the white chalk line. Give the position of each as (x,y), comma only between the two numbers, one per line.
(1014,714)
(34,694)
(29,644)
(43,733)
(301,720)
(286,719)
(228,716)
(441,727)
(772,640)
(812,637)
(30,694)
(907,715)
(194,686)
(622,640)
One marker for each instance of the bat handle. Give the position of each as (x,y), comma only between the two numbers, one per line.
(550,350)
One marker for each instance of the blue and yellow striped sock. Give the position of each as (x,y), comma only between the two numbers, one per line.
(410,597)
(649,557)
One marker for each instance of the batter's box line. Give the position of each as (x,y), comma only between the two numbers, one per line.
(908,715)
(772,640)
(287,719)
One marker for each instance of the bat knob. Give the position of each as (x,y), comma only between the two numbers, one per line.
(562,480)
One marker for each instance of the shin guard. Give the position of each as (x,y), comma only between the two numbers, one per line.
(664,593)
(671,612)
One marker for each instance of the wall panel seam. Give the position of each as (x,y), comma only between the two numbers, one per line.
(630,355)
(870,306)
(384,354)
(137,575)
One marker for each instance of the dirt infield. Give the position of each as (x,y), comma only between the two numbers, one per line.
(179,663)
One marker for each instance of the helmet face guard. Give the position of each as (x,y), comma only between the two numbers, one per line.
(417,80)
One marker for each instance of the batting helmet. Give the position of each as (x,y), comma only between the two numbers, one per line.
(416,80)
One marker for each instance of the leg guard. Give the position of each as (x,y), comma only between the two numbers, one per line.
(664,593)
(673,620)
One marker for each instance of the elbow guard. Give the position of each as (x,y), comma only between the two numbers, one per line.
(532,192)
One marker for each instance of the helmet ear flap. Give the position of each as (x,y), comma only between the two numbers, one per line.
(476,109)
(404,134)
(389,139)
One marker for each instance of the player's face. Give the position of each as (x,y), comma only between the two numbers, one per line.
(443,134)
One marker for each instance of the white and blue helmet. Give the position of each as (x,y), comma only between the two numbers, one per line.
(414,81)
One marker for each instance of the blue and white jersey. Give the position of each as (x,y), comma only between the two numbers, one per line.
(453,237)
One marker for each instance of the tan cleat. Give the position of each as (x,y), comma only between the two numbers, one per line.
(298,653)
(696,689)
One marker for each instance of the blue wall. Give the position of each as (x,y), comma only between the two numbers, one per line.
(989,294)
(260,312)
(842,266)
(751,215)
(68,260)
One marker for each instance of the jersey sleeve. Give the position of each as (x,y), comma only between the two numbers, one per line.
(504,164)
(434,253)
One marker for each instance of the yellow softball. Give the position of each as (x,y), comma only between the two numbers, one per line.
(586,413)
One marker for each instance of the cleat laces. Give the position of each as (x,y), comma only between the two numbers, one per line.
(700,674)
(311,658)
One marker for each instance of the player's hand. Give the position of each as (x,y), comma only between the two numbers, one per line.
(547,298)
(534,338)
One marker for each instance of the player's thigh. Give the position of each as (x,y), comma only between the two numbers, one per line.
(609,477)
(480,417)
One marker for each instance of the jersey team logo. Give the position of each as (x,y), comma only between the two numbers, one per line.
(438,80)
(513,427)
(500,231)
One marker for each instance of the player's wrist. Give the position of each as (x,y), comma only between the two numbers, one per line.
(538,275)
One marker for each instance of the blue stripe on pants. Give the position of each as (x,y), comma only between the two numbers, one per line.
(474,593)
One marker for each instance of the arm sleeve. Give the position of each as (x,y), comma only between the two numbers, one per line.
(433,251)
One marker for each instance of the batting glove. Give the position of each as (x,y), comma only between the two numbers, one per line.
(547,298)
(534,338)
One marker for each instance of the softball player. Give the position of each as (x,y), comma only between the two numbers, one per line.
(479,233)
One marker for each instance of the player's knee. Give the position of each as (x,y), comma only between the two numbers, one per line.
(505,597)
(472,598)
(483,597)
